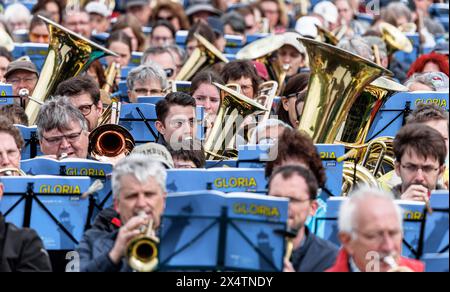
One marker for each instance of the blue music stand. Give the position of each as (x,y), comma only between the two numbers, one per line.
(330,226)
(139,119)
(6,94)
(392,115)
(436,262)
(437,224)
(32,147)
(50,205)
(149,99)
(216,232)
(77,167)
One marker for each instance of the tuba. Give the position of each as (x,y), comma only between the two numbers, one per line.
(110,141)
(234,108)
(205,55)
(142,251)
(337,79)
(68,55)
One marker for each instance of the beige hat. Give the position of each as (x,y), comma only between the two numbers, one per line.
(155,152)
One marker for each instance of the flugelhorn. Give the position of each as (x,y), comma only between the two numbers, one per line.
(142,251)
(68,54)
(206,54)
(234,108)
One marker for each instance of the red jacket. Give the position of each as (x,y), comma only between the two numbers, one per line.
(342,265)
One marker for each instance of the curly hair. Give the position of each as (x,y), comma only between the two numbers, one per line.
(6,126)
(294,144)
(438,59)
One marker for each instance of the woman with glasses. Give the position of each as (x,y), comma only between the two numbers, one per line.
(163,34)
(292,100)
(172,12)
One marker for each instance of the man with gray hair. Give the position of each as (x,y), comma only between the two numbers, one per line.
(139,190)
(146,80)
(164,57)
(371,233)
(62,130)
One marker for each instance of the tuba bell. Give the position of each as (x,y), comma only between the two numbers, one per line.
(68,55)
(234,108)
(206,54)
(395,39)
(337,78)
(142,251)
(110,141)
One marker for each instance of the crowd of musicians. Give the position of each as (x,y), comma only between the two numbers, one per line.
(369,220)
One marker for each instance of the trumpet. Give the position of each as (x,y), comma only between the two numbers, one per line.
(142,251)
(12,171)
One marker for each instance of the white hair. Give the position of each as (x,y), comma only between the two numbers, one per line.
(141,167)
(17,12)
(265,125)
(348,209)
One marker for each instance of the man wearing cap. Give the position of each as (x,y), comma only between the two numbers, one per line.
(141,9)
(98,16)
(23,76)
(78,22)
(329,14)
(201,10)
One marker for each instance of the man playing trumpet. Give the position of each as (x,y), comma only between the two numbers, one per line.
(139,190)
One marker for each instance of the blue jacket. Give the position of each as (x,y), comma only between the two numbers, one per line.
(94,251)
(315,255)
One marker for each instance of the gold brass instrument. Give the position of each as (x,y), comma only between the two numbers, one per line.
(234,108)
(206,54)
(352,177)
(266,94)
(68,55)
(337,79)
(142,251)
(366,107)
(326,36)
(12,171)
(111,74)
(395,39)
(109,140)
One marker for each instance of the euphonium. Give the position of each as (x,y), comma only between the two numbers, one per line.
(68,55)
(12,171)
(337,78)
(326,36)
(110,141)
(395,39)
(142,251)
(234,108)
(111,74)
(206,54)
(266,94)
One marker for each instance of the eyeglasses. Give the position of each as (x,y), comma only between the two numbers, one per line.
(267,141)
(44,37)
(162,39)
(169,72)
(71,138)
(27,80)
(86,109)
(378,236)
(413,168)
(147,92)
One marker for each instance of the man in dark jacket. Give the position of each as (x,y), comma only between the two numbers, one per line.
(139,192)
(21,250)
(299,185)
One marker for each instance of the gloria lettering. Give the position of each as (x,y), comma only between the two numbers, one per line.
(85,172)
(59,189)
(436,101)
(235,182)
(258,210)
(327,155)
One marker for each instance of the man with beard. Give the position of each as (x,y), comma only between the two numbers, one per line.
(420,153)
